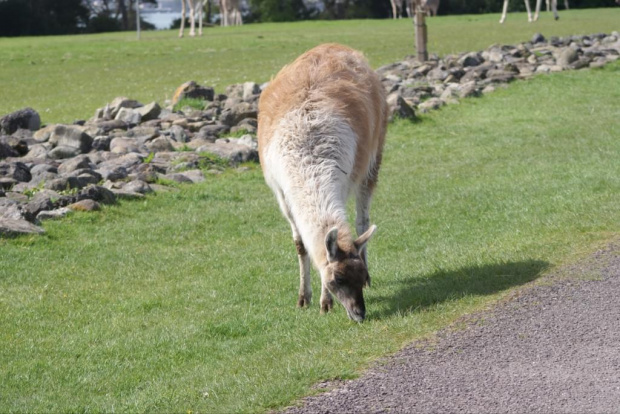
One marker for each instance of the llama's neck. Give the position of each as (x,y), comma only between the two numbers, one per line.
(316,154)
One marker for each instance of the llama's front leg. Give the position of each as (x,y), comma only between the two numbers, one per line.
(504,11)
(362,218)
(305,288)
(529,11)
(327,302)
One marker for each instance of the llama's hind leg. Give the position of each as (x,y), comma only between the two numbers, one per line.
(305,288)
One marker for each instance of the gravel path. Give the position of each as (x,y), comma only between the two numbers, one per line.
(554,348)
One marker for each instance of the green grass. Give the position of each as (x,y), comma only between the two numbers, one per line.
(185,301)
(68,77)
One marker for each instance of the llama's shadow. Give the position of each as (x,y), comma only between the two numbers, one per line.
(418,293)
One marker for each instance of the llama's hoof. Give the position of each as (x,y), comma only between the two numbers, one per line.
(303,301)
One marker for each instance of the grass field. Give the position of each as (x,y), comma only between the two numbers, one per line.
(185,301)
(68,77)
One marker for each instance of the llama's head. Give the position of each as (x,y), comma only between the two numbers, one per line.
(346,273)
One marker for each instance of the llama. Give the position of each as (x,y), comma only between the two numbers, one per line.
(195,8)
(229,10)
(429,6)
(321,128)
(554,7)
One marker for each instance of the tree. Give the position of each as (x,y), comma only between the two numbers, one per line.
(42,17)
(279,10)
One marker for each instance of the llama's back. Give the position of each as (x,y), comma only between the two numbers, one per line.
(326,90)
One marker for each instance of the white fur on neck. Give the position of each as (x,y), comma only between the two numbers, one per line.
(311,157)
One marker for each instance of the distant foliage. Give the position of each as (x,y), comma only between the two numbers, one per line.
(42,17)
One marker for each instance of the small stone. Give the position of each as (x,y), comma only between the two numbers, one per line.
(85,205)
(53,214)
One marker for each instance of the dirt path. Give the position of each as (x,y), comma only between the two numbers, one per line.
(552,349)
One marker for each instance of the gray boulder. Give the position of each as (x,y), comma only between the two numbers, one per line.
(231,116)
(194,91)
(150,111)
(398,107)
(26,118)
(15,170)
(7,151)
(567,56)
(11,227)
(71,136)
(128,116)
(75,163)
(234,153)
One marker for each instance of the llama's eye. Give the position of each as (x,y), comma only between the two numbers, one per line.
(340,280)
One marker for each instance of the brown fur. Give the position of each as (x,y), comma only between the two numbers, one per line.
(318,76)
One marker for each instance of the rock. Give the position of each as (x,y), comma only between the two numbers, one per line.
(42,200)
(113,173)
(53,214)
(431,104)
(121,102)
(233,115)
(110,125)
(567,56)
(195,176)
(128,116)
(137,186)
(250,90)
(26,118)
(538,38)
(18,144)
(471,59)
(102,143)
(15,170)
(124,145)
(235,153)
(85,205)
(9,209)
(211,132)
(438,74)
(62,152)
(194,91)
(97,193)
(398,107)
(159,144)
(75,163)
(9,227)
(63,184)
(150,111)
(499,75)
(71,136)
(7,151)
(468,89)
(178,177)
(178,134)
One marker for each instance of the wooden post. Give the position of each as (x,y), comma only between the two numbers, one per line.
(419,21)
(138,18)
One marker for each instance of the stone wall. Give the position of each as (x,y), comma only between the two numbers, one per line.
(129,149)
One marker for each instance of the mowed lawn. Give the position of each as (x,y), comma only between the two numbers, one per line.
(67,77)
(185,301)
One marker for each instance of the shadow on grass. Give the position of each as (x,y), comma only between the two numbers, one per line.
(418,293)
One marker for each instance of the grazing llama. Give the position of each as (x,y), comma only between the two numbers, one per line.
(429,6)
(230,14)
(195,8)
(554,7)
(321,128)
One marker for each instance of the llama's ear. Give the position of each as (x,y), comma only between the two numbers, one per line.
(361,241)
(331,244)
